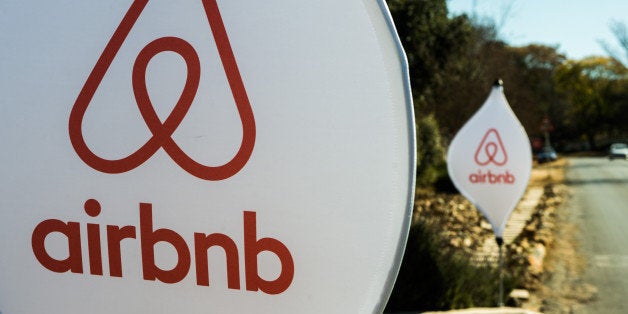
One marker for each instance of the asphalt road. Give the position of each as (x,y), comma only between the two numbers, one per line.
(600,199)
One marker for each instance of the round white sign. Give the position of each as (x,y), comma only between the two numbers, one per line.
(202,156)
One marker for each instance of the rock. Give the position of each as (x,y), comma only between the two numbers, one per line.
(467,242)
(455,242)
(486,226)
(520,294)
(537,254)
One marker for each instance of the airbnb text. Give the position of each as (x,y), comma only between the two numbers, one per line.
(149,236)
(489,177)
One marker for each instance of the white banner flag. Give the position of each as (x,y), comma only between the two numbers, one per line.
(489,160)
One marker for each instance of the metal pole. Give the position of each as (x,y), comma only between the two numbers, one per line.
(500,243)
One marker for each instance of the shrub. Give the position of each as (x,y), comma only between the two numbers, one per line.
(431,281)
(430,152)
(443,183)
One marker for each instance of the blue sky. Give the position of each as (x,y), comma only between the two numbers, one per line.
(575,26)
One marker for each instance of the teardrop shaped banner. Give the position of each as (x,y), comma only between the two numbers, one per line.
(490,160)
(203,156)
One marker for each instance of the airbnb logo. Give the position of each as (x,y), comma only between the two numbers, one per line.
(491,150)
(149,237)
(162,131)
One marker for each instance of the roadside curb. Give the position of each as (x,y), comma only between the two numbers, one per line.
(489,252)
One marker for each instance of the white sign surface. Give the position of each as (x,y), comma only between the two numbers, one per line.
(202,156)
(490,160)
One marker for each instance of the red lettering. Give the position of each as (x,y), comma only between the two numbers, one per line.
(491,177)
(202,243)
(92,208)
(72,231)
(252,247)
(148,239)
(510,179)
(115,235)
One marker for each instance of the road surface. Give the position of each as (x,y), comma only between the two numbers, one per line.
(599,190)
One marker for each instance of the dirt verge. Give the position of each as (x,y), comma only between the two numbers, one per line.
(561,288)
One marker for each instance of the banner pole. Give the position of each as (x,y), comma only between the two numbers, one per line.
(500,243)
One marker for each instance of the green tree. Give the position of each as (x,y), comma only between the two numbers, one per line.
(430,152)
(431,41)
(616,94)
(527,73)
(587,85)
(531,88)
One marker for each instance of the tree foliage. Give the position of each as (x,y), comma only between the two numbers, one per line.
(430,280)
(592,88)
(453,61)
(431,41)
(430,152)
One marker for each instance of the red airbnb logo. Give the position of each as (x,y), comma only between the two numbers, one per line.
(491,150)
(162,131)
(149,237)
